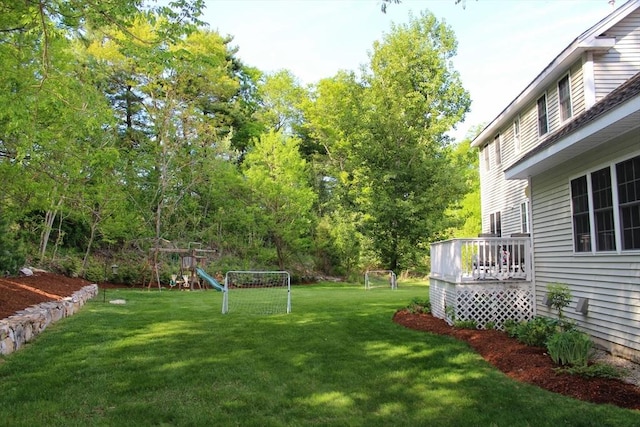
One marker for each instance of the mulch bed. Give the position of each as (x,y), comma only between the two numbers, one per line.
(527,364)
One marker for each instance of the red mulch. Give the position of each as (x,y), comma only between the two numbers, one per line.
(518,361)
(528,364)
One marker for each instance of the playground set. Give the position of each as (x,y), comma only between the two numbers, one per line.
(191,274)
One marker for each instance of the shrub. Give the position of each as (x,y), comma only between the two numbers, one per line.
(465,324)
(537,331)
(570,348)
(511,327)
(418,306)
(559,297)
(490,325)
(599,370)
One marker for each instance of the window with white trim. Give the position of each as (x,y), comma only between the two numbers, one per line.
(564,98)
(487,166)
(524,217)
(543,123)
(496,146)
(516,134)
(606,208)
(495,224)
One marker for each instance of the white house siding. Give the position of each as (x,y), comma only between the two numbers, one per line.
(617,65)
(611,282)
(497,194)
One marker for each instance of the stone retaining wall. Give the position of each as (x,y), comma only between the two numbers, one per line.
(24,325)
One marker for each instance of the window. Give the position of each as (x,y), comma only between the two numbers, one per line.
(516,134)
(496,145)
(628,176)
(564,98)
(495,224)
(606,208)
(543,125)
(486,158)
(581,224)
(524,217)
(603,210)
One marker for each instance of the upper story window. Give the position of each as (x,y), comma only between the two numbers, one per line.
(496,146)
(564,98)
(606,208)
(487,166)
(516,134)
(543,123)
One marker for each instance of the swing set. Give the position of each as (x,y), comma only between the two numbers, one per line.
(191,260)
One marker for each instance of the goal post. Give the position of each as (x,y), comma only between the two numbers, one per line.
(380,279)
(257,292)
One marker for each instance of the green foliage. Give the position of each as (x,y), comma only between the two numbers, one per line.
(131,125)
(12,256)
(569,348)
(594,370)
(419,306)
(535,332)
(490,325)
(465,324)
(559,297)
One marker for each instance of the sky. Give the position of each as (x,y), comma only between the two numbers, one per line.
(502,44)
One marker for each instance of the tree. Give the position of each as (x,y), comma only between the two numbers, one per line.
(468,211)
(385,139)
(277,175)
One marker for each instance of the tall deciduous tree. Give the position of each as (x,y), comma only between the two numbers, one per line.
(407,179)
(277,175)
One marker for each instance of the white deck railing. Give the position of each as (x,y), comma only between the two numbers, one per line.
(487,258)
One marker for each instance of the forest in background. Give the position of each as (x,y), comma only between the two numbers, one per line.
(126,127)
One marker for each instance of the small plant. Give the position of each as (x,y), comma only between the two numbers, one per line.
(511,327)
(559,297)
(571,348)
(465,324)
(450,311)
(418,306)
(595,370)
(490,325)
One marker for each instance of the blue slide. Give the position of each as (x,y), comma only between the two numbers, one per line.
(213,282)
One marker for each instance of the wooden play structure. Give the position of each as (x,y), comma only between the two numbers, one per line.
(193,259)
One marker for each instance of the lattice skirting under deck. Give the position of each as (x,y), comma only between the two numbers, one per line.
(485,303)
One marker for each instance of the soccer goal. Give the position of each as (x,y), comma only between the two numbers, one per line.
(257,292)
(380,279)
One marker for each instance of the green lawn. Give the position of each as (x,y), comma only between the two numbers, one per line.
(171,358)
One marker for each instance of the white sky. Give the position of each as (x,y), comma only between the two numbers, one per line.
(502,44)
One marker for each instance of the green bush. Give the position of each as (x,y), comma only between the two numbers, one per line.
(571,348)
(596,370)
(465,324)
(418,306)
(559,297)
(537,331)
(511,327)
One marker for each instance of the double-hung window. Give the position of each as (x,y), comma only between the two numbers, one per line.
(495,224)
(524,217)
(606,208)
(564,98)
(496,146)
(628,180)
(543,123)
(516,134)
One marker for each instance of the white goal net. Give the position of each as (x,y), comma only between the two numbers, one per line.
(380,279)
(257,292)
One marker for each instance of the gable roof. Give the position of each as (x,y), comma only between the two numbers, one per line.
(590,40)
(616,114)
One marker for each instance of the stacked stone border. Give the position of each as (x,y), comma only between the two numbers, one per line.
(24,325)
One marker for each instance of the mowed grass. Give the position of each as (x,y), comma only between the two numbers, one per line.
(171,358)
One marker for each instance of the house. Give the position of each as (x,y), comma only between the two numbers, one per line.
(560,167)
